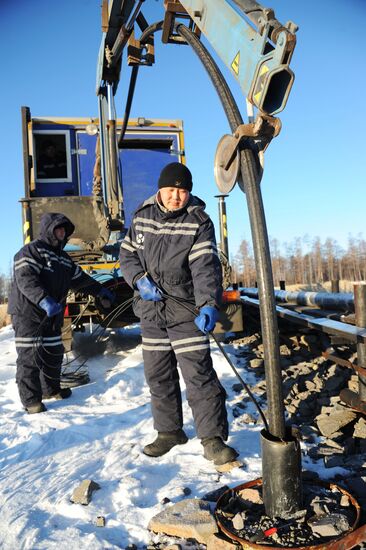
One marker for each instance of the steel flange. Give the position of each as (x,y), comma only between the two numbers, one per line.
(226,179)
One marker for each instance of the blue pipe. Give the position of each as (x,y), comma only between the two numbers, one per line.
(343,301)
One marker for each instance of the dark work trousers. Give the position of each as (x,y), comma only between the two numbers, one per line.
(185,344)
(40,354)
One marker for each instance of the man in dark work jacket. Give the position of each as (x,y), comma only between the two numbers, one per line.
(43,275)
(170,250)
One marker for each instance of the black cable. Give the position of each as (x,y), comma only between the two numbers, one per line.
(150,30)
(126,116)
(38,346)
(117,311)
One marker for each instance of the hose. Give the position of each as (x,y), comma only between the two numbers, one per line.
(250,172)
(227,99)
(131,91)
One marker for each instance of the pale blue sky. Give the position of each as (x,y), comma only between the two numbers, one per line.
(314,180)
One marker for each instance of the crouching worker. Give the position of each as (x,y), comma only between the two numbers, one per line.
(170,250)
(43,275)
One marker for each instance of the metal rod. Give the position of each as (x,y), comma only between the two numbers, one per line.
(224,245)
(130,23)
(123,36)
(113,176)
(250,111)
(360,312)
(110,101)
(324,324)
(102,136)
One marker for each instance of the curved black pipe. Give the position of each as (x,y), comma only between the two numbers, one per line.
(131,91)
(249,164)
(227,99)
(150,30)
(249,173)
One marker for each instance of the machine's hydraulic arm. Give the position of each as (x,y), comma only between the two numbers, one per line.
(257,57)
(252,43)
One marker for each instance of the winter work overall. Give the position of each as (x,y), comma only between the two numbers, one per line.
(40,354)
(162,348)
(43,271)
(178,250)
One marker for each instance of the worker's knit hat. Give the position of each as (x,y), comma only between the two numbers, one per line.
(175,174)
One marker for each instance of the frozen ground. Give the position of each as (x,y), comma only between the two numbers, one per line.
(98,434)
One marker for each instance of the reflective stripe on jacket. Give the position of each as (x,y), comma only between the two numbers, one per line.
(42,268)
(178,250)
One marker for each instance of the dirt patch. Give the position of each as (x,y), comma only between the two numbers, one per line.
(4,317)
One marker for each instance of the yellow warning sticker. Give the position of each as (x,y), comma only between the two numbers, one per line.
(260,84)
(235,63)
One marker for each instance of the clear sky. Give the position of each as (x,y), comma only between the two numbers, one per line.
(314,180)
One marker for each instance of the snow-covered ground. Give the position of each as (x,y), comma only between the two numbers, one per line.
(99,434)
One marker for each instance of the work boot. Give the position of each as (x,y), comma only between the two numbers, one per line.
(216,450)
(164,442)
(35,408)
(63,393)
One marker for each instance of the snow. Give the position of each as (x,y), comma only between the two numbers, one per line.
(98,433)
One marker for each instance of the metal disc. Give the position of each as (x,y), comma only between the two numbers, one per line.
(225,179)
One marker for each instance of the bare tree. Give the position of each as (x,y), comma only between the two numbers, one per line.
(320,262)
(278,261)
(329,253)
(317,260)
(244,263)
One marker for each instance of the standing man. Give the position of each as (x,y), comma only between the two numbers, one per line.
(43,275)
(169,256)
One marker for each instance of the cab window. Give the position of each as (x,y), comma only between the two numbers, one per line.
(52,156)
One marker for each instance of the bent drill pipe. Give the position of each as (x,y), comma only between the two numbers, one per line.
(248,166)
(282,494)
(342,301)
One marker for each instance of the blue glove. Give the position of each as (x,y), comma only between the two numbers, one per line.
(207,318)
(107,297)
(148,290)
(50,306)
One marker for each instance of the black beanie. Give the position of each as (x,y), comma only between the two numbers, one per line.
(177,175)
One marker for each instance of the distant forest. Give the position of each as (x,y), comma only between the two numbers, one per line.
(301,261)
(305,261)
(4,287)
